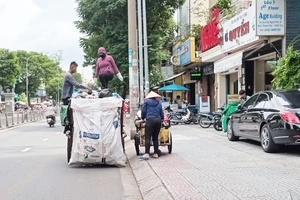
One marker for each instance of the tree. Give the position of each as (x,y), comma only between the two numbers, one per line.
(155,77)
(105,23)
(54,86)
(9,68)
(78,77)
(41,69)
(287,70)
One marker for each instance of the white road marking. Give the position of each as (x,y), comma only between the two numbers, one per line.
(25,150)
(57,133)
(45,139)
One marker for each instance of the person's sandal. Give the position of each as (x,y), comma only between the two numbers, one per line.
(155,156)
(144,157)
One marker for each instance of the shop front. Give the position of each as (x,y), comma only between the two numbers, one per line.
(185,59)
(227,77)
(208,90)
(211,51)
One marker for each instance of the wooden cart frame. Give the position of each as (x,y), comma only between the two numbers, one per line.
(138,141)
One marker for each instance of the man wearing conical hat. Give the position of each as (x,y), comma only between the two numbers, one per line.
(153,113)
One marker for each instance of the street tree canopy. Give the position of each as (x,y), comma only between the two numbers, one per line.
(287,71)
(9,68)
(105,23)
(41,69)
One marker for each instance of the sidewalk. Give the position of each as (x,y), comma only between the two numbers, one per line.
(205,165)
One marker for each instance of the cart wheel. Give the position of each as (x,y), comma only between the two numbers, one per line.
(170,145)
(137,144)
(159,153)
(69,147)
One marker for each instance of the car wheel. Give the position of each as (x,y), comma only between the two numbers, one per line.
(266,139)
(230,134)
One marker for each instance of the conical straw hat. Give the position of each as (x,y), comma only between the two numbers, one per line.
(152,95)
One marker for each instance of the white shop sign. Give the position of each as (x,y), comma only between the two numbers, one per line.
(239,30)
(270,18)
(229,62)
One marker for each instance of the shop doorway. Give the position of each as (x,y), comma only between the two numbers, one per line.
(249,77)
(191,93)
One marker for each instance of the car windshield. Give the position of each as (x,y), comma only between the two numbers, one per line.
(289,99)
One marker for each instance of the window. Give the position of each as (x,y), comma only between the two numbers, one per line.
(262,102)
(289,99)
(249,104)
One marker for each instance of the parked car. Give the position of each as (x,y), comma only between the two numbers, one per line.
(270,117)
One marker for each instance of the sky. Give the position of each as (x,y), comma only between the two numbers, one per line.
(43,26)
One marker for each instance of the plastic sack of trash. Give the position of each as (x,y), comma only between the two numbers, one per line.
(97,132)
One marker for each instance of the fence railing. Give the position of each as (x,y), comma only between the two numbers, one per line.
(8,119)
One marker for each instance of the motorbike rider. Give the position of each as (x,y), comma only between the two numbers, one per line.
(50,112)
(69,84)
(106,68)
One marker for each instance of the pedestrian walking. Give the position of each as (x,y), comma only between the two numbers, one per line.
(153,113)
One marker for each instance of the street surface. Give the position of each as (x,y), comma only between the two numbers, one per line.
(34,167)
(205,165)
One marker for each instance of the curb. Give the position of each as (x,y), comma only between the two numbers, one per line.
(17,125)
(150,185)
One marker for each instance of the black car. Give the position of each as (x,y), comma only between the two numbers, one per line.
(270,117)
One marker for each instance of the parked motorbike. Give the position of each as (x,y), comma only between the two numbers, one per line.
(175,119)
(214,118)
(50,120)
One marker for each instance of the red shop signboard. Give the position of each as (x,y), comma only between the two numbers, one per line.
(210,33)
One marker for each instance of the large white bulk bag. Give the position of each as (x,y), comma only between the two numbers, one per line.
(97,131)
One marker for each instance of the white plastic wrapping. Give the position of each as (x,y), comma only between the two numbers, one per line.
(97,132)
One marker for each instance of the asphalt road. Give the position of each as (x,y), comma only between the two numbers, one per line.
(34,167)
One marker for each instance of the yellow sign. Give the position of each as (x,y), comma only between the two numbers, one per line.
(174,60)
(233,98)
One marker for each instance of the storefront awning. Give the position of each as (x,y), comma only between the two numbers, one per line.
(173,77)
(236,59)
(228,62)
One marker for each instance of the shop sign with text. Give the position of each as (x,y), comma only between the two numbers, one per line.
(240,30)
(208,69)
(184,53)
(270,17)
(210,33)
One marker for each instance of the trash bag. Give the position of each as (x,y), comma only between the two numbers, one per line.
(63,115)
(230,108)
(105,93)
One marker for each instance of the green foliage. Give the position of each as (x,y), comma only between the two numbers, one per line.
(22,97)
(9,68)
(105,23)
(54,85)
(287,71)
(78,77)
(155,77)
(41,69)
(224,4)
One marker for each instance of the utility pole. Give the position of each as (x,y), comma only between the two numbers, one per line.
(133,64)
(147,88)
(141,68)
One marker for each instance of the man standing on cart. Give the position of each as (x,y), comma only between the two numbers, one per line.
(153,113)
(69,84)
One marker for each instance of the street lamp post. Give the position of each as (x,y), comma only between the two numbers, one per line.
(27,95)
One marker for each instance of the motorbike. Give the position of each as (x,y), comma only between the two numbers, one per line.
(214,118)
(50,120)
(176,118)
